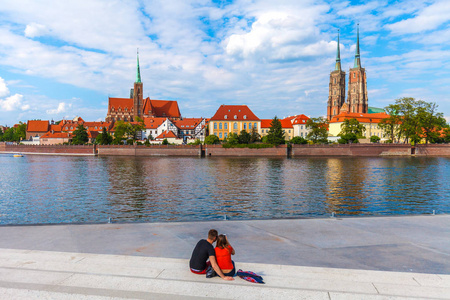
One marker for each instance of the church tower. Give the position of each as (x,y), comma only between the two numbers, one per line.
(357,99)
(137,93)
(336,95)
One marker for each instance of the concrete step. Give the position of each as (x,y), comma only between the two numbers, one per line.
(62,275)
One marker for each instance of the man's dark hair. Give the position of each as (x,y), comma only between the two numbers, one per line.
(212,234)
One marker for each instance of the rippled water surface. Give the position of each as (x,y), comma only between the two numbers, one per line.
(46,189)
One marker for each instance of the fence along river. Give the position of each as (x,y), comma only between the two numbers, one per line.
(68,189)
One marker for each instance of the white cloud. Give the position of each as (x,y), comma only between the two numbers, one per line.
(35,30)
(62,108)
(428,18)
(12,103)
(4,91)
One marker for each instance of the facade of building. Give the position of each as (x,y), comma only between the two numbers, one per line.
(299,124)
(369,121)
(233,118)
(357,98)
(286,124)
(56,138)
(128,109)
(36,128)
(191,128)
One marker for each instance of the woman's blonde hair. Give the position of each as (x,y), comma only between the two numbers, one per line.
(222,241)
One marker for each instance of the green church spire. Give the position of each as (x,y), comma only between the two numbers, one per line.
(357,57)
(338,56)
(138,71)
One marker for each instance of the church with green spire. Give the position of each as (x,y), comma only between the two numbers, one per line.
(357,99)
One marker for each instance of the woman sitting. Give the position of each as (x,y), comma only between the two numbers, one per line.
(223,255)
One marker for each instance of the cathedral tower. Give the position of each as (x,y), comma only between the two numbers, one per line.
(336,95)
(137,93)
(357,99)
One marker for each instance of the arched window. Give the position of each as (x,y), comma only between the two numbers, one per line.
(245,117)
(255,125)
(226,134)
(249,125)
(335,81)
(215,125)
(334,111)
(225,125)
(220,125)
(235,125)
(245,126)
(225,117)
(220,135)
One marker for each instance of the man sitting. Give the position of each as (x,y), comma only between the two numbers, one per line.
(203,251)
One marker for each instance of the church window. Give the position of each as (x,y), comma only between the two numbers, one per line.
(334,111)
(354,75)
(220,125)
(215,125)
(335,81)
(335,92)
(353,109)
(235,125)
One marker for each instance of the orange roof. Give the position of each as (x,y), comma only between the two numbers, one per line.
(55,127)
(300,119)
(234,112)
(362,118)
(153,123)
(166,134)
(91,125)
(285,123)
(57,135)
(187,123)
(37,126)
(120,103)
(162,108)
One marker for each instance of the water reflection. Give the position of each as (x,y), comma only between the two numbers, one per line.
(41,189)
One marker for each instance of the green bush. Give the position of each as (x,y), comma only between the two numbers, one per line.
(211,140)
(251,146)
(165,142)
(298,140)
(374,139)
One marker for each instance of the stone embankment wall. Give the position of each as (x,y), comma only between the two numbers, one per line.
(153,150)
(432,150)
(218,150)
(351,150)
(48,149)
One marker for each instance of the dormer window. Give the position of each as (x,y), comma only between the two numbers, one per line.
(245,116)
(225,117)
(71,128)
(235,117)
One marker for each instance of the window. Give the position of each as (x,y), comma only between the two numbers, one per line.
(335,92)
(225,117)
(67,128)
(220,135)
(249,125)
(289,131)
(215,133)
(235,125)
(245,117)
(335,81)
(101,127)
(215,125)
(220,125)
(225,125)
(255,125)
(71,128)
(245,126)
(354,75)
(301,134)
(235,117)
(226,134)
(301,127)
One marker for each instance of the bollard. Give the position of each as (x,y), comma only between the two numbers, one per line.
(109,220)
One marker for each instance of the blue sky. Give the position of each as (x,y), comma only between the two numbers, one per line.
(61,59)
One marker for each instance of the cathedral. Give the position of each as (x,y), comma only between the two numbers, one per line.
(128,109)
(357,100)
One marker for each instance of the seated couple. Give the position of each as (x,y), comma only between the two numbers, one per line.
(219,258)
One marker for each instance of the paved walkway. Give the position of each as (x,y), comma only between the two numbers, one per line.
(352,258)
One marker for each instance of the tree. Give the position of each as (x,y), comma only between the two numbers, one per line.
(298,140)
(255,137)
(120,132)
(133,129)
(8,136)
(233,139)
(276,134)
(391,125)
(80,136)
(374,139)
(244,137)
(104,138)
(1,135)
(165,142)
(431,122)
(211,140)
(352,126)
(348,138)
(20,132)
(318,130)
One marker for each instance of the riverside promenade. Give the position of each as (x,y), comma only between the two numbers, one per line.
(348,258)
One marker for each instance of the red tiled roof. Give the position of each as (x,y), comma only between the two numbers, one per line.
(300,119)
(187,123)
(285,123)
(57,135)
(228,112)
(166,134)
(362,118)
(37,126)
(120,103)
(162,108)
(153,123)
(91,125)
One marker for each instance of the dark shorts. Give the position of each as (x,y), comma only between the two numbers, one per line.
(232,272)
(201,271)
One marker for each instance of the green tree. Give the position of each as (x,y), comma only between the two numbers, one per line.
(134,129)
(431,122)
(165,142)
(374,139)
(348,138)
(391,124)
(298,140)
(255,137)
(20,132)
(80,136)
(1,135)
(233,139)
(244,137)
(8,136)
(104,138)
(276,134)
(352,126)
(120,132)
(211,140)
(318,130)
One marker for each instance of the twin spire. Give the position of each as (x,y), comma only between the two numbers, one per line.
(357,55)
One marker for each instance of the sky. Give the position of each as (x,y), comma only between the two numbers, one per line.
(61,59)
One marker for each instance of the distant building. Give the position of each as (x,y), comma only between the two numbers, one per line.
(127,109)
(233,118)
(299,124)
(369,121)
(56,138)
(357,98)
(36,128)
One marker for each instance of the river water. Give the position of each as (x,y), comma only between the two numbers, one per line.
(68,189)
